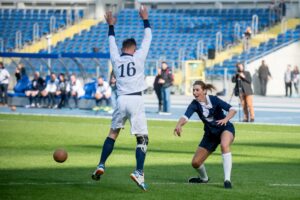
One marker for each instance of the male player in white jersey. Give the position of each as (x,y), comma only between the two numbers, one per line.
(129,71)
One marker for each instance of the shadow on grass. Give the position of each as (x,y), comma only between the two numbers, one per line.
(271,145)
(165,182)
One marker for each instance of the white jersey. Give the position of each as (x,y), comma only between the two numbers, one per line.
(102,89)
(4,76)
(129,69)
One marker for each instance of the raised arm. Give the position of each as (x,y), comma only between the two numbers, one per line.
(145,46)
(113,48)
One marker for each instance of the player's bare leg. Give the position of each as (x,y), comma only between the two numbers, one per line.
(107,149)
(198,163)
(226,140)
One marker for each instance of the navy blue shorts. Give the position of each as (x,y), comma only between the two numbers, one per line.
(211,141)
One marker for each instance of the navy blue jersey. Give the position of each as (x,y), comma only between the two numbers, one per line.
(214,113)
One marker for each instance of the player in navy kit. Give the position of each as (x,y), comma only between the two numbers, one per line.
(129,72)
(217,130)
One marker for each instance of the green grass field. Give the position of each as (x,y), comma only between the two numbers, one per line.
(266,161)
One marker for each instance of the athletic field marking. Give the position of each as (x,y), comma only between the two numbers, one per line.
(284,185)
(94,183)
(153,183)
(152,119)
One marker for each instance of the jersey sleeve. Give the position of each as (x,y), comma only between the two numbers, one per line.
(224,105)
(113,48)
(190,111)
(145,46)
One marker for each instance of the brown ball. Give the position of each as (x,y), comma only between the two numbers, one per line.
(60,155)
(13,108)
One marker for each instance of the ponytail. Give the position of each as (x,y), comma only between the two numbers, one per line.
(205,86)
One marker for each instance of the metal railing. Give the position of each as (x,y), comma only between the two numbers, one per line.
(18,40)
(1,45)
(254,25)
(283,25)
(237,31)
(36,31)
(52,24)
(200,49)
(219,38)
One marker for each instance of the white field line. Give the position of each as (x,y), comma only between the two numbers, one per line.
(284,185)
(153,183)
(93,183)
(153,119)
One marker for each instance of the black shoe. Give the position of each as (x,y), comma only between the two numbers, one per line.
(251,120)
(227,184)
(197,180)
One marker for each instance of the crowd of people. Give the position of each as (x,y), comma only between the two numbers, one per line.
(55,91)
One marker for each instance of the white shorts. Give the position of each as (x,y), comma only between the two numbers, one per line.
(130,107)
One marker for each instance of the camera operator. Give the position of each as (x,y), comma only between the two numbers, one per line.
(244,90)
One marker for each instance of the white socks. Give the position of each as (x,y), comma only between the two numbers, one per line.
(227,165)
(202,173)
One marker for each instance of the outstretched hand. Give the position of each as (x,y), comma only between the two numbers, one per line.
(110,19)
(177,131)
(143,12)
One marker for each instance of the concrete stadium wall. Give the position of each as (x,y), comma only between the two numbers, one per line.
(277,62)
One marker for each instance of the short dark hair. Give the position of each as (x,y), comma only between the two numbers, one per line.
(128,43)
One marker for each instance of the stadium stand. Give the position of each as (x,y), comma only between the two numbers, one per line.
(173,29)
(24,20)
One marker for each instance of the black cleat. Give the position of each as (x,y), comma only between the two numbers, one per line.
(227,184)
(197,180)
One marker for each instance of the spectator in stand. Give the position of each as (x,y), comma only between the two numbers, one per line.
(166,81)
(63,90)
(288,80)
(157,89)
(103,94)
(114,95)
(4,80)
(34,94)
(264,75)
(20,71)
(247,39)
(50,91)
(296,78)
(76,89)
(282,9)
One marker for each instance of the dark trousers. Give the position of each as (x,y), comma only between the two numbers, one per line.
(158,94)
(287,87)
(263,86)
(64,100)
(35,99)
(75,100)
(3,93)
(99,102)
(51,99)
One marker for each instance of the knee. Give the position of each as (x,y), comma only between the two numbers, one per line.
(196,164)
(225,148)
(142,142)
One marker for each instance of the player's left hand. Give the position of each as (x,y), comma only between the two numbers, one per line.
(110,19)
(143,12)
(222,122)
